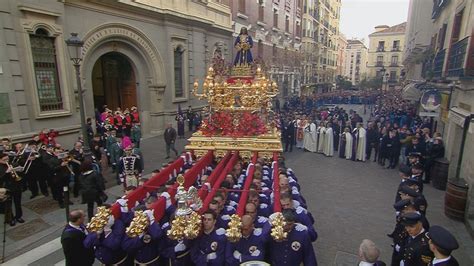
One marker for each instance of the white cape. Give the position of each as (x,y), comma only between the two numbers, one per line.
(348,148)
(321,132)
(361,144)
(329,142)
(310,138)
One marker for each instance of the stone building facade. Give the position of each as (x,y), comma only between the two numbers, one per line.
(441,37)
(386,46)
(144,53)
(356,61)
(320,43)
(341,55)
(275,27)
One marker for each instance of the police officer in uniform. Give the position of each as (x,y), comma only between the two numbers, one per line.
(442,243)
(415,250)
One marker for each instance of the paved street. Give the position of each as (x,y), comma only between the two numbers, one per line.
(349,200)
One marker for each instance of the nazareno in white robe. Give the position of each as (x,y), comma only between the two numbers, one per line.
(329,142)
(310,138)
(321,138)
(348,150)
(361,141)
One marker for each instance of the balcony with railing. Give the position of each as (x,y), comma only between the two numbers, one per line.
(394,64)
(438,63)
(380,49)
(396,49)
(457,58)
(379,64)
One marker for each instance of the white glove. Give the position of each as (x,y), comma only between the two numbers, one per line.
(271,217)
(123,205)
(211,256)
(166,195)
(256,253)
(237,255)
(151,216)
(180,247)
(397,248)
(122,180)
(99,232)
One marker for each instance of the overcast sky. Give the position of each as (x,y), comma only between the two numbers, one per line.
(359,17)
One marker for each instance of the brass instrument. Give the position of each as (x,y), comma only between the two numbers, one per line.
(33,154)
(15,175)
(19,154)
(66,157)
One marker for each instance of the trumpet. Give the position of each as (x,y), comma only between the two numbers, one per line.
(15,175)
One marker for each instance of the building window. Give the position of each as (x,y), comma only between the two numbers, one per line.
(381,46)
(379,60)
(260,48)
(442,36)
(393,75)
(242,6)
(394,61)
(178,72)
(457,26)
(396,46)
(298,29)
(287,23)
(46,71)
(275,18)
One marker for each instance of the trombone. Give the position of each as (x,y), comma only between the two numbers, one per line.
(29,160)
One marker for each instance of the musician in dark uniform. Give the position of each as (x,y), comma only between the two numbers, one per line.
(72,240)
(60,172)
(77,157)
(442,243)
(10,180)
(415,250)
(34,172)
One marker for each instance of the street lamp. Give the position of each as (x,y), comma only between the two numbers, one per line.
(74,46)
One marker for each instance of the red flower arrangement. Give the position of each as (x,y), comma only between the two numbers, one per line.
(233,125)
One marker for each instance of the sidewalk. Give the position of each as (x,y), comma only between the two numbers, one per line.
(45,220)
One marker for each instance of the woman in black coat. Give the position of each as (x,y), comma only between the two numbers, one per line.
(92,186)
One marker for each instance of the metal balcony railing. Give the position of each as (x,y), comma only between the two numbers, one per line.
(438,63)
(457,58)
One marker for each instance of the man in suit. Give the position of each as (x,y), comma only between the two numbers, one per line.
(72,240)
(170,139)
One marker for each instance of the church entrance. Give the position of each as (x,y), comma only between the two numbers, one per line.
(113,82)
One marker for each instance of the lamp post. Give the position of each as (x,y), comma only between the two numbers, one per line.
(74,46)
(382,70)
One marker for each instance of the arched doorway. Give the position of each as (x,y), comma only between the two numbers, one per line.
(113,82)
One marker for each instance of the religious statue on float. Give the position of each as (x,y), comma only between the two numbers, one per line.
(243,43)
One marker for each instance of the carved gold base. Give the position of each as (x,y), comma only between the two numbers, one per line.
(265,145)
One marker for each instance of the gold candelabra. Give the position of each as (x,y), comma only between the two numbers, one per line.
(139,224)
(100,219)
(234,232)
(278,227)
(187,223)
(240,95)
